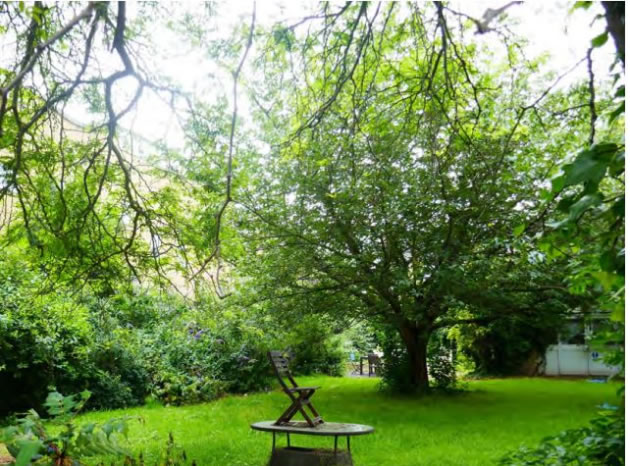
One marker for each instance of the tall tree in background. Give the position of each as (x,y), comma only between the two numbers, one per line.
(410,171)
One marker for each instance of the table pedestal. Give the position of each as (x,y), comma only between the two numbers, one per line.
(296,456)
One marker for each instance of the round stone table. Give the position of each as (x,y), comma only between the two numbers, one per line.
(297,456)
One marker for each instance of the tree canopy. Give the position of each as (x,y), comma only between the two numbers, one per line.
(390,166)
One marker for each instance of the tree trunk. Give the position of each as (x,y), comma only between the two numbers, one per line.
(616,20)
(416,340)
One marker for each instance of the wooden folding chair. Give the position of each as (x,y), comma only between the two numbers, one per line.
(300,396)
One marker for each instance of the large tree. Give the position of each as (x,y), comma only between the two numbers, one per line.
(401,188)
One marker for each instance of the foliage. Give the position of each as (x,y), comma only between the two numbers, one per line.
(395,370)
(129,346)
(314,350)
(441,364)
(396,364)
(81,206)
(30,442)
(50,339)
(395,178)
(360,338)
(72,443)
(590,215)
(42,338)
(589,222)
(602,442)
(192,363)
(118,378)
(508,346)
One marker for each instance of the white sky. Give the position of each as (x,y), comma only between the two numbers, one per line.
(548,26)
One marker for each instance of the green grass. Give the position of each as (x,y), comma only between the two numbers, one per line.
(472,428)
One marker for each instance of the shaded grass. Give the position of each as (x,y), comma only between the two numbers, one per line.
(473,428)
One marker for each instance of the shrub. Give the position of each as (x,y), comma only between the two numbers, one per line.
(30,442)
(125,347)
(395,371)
(118,378)
(315,349)
(504,346)
(42,339)
(602,442)
(189,362)
(441,368)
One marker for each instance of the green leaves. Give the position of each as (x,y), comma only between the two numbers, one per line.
(590,165)
(284,36)
(584,203)
(582,5)
(28,438)
(518,231)
(60,406)
(600,40)
(589,169)
(602,442)
(28,449)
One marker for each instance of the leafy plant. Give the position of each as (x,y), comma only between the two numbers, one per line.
(507,346)
(315,349)
(601,443)
(441,368)
(30,441)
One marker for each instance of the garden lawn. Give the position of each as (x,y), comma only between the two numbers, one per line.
(472,428)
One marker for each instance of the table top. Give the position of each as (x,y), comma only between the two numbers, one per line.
(301,427)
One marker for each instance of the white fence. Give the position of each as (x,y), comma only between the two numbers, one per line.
(570,359)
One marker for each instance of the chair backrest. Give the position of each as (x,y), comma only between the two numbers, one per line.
(374,358)
(280,363)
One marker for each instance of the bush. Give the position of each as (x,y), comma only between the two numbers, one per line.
(441,368)
(504,347)
(396,363)
(126,347)
(30,442)
(314,349)
(603,442)
(42,339)
(189,362)
(118,378)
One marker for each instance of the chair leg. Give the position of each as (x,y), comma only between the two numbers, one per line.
(307,418)
(289,412)
(317,418)
(312,408)
(297,404)
(304,400)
